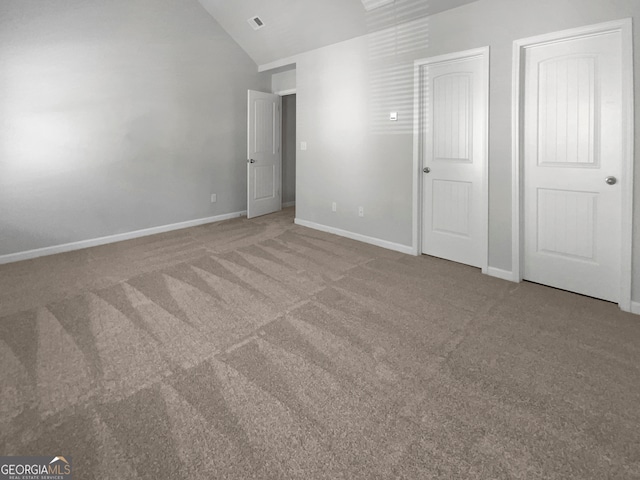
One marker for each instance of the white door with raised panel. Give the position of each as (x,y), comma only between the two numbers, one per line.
(572,150)
(264,157)
(453,92)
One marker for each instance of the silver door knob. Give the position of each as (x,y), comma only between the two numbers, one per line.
(426,169)
(252,161)
(611,180)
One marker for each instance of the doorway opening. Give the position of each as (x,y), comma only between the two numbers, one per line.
(289,151)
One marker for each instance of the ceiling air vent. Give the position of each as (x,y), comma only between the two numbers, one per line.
(256,23)
(373,4)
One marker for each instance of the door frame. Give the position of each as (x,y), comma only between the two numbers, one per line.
(418,194)
(623,26)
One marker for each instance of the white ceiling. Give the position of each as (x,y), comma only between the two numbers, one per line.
(296,26)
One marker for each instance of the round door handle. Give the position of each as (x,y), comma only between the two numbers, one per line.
(611,180)
(426,169)
(252,161)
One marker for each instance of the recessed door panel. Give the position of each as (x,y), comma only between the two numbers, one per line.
(566,223)
(452,139)
(452,207)
(568,111)
(265,182)
(265,127)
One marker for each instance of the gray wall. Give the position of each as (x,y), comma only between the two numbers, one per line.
(283,81)
(116,116)
(357,157)
(288,148)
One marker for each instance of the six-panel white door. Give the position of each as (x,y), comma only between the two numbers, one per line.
(572,148)
(453,137)
(264,158)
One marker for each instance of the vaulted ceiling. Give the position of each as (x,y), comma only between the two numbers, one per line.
(296,26)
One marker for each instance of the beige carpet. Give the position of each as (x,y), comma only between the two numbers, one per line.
(260,349)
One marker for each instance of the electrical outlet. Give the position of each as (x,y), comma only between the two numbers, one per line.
(361,211)
(214,198)
(334,207)
(303,145)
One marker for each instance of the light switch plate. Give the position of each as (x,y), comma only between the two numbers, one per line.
(303,145)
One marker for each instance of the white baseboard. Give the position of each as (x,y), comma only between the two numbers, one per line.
(94,242)
(356,236)
(289,204)
(499,273)
(635,308)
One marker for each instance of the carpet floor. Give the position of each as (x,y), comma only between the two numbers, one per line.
(261,349)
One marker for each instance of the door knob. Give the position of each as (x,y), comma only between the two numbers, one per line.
(611,180)
(426,169)
(252,161)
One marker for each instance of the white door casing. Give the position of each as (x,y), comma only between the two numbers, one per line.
(450,156)
(264,156)
(574,124)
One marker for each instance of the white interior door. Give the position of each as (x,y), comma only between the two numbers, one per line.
(264,157)
(453,146)
(572,164)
